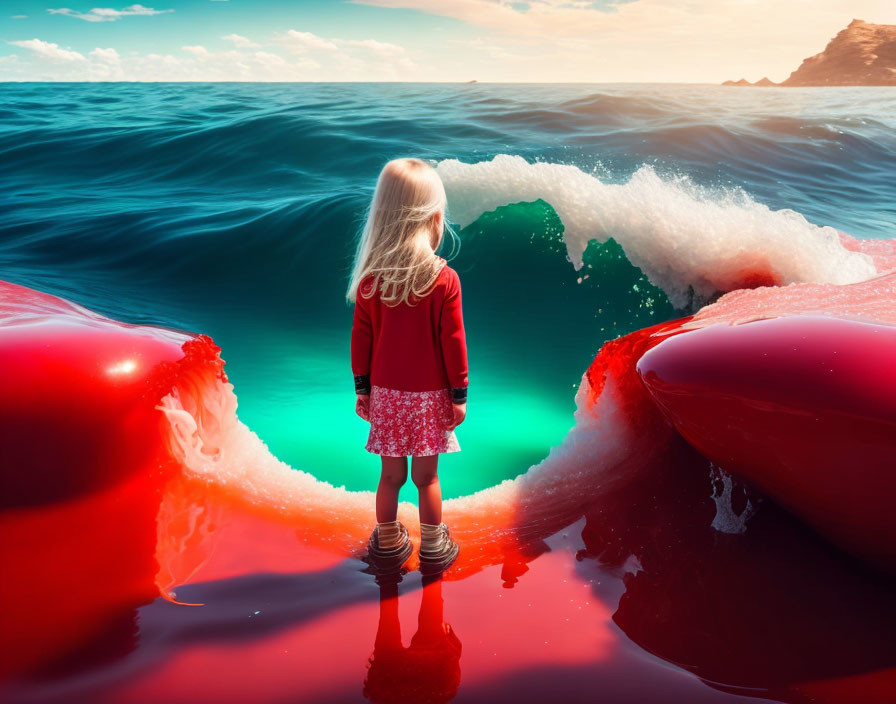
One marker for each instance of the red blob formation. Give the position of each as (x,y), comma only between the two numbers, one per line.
(803,408)
(78,396)
(775,612)
(74,573)
(770,610)
(616,360)
(83,464)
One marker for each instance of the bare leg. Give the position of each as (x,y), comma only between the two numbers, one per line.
(388,632)
(425,473)
(393,477)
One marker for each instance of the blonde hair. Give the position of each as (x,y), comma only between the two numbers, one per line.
(405,225)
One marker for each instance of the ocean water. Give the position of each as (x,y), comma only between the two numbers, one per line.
(230,209)
(207,552)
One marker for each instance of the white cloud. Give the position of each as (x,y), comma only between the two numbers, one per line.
(105,65)
(316,59)
(107,55)
(488,47)
(108,14)
(306,41)
(546,40)
(390,61)
(354,59)
(644,40)
(20,17)
(240,42)
(270,59)
(48,50)
(378,48)
(231,65)
(539,17)
(196,50)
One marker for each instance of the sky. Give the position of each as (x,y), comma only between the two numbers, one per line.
(688,41)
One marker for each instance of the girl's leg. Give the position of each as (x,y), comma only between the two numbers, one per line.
(430,620)
(425,473)
(393,477)
(388,632)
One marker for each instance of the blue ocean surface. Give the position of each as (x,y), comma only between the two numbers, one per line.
(232,209)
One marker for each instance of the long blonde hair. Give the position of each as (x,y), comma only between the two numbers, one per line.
(405,225)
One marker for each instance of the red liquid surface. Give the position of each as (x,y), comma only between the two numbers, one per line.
(803,407)
(134,581)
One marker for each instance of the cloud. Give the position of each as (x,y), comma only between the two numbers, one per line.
(306,41)
(642,40)
(354,59)
(303,56)
(107,55)
(537,17)
(108,14)
(390,60)
(196,50)
(499,40)
(270,59)
(48,50)
(240,42)
(383,49)
(20,17)
(639,19)
(105,65)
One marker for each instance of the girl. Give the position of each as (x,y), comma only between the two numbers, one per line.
(409,356)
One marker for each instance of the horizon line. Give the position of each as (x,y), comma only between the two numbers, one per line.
(461,83)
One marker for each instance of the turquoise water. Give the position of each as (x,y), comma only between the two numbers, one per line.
(230,209)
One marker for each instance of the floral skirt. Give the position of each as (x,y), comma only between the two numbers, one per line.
(413,423)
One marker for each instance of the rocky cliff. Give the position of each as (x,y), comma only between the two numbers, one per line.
(863,54)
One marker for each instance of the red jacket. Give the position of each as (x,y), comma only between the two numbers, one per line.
(420,347)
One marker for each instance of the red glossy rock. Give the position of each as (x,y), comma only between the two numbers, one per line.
(285,616)
(78,395)
(803,408)
(83,465)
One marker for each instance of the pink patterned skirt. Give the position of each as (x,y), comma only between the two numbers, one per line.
(413,423)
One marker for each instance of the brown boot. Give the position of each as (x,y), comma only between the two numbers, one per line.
(387,560)
(438,553)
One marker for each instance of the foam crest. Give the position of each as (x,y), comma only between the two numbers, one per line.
(210,443)
(690,241)
(207,439)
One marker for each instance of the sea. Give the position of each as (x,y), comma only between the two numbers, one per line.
(582,213)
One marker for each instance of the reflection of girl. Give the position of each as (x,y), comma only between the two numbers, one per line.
(409,355)
(426,671)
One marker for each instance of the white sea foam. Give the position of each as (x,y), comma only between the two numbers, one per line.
(680,235)
(211,444)
(727,519)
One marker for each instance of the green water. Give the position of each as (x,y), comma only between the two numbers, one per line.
(532,330)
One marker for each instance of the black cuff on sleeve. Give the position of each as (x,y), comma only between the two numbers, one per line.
(362,384)
(459,395)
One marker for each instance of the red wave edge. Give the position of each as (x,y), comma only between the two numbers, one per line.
(794,392)
(84,465)
(72,594)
